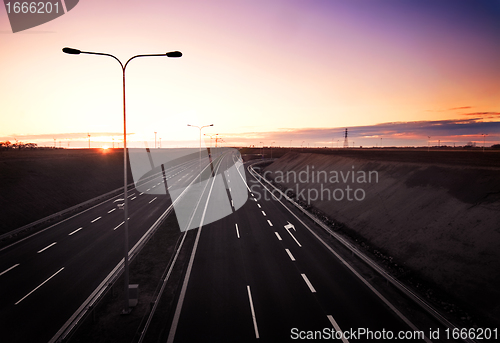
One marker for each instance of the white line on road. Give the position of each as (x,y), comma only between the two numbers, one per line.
(258,205)
(40,285)
(232,203)
(152,200)
(308,283)
(131,195)
(295,239)
(96,219)
(237,231)
(147,190)
(133,198)
(111,210)
(337,328)
(6,270)
(278,235)
(270,224)
(69,234)
(119,225)
(141,193)
(253,313)
(264,213)
(48,246)
(290,254)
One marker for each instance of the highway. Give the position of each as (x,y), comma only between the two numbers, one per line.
(47,276)
(257,274)
(260,275)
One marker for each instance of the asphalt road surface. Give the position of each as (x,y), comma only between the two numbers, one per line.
(260,275)
(47,276)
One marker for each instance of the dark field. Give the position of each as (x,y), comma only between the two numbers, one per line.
(457,156)
(37,183)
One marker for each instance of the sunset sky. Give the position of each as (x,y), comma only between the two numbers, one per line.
(290,72)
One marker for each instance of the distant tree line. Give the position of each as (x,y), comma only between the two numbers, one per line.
(7,145)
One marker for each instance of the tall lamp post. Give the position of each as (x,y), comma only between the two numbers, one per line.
(200,139)
(155,139)
(71,51)
(484,139)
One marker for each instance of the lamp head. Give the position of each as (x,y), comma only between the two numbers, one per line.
(71,51)
(174,54)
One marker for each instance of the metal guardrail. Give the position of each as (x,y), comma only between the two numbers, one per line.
(399,285)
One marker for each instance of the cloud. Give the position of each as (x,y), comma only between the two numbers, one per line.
(459,108)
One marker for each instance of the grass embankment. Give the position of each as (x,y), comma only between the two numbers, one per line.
(435,218)
(37,183)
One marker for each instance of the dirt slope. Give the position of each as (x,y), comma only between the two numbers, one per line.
(441,221)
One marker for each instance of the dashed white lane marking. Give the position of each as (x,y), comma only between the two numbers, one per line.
(131,195)
(237,231)
(152,200)
(147,190)
(133,198)
(278,235)
(337,328)
(232,203)
(308,283)
(40,285)
(258,205)
(252,195)
(9,269)
(253,313)
(264,213)
(290,254)
(111,210)
(141,193)
(69,234)
(119,225)
(96,219)
(270,224)
(48,246)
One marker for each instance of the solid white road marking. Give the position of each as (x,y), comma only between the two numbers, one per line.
(152,200)
(290,254)
(69,234)
(295,239)
(119,225)
(264,213)
(253,313)
(6,270)
(308,283)
(40,285)
(337,328)
(237,231)
(96,219)
(278,235)
(270,224)
(48,246)
(111,210)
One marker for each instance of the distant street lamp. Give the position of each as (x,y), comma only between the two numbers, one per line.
(200,140)
(484,139)
(272,149)
(155,139)
(88,134)
(262,149)
(71,51)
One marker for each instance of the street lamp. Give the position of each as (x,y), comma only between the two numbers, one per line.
(71,51)
(262,149)
(200,139)
(272,149)
(155,139)
(484,139)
